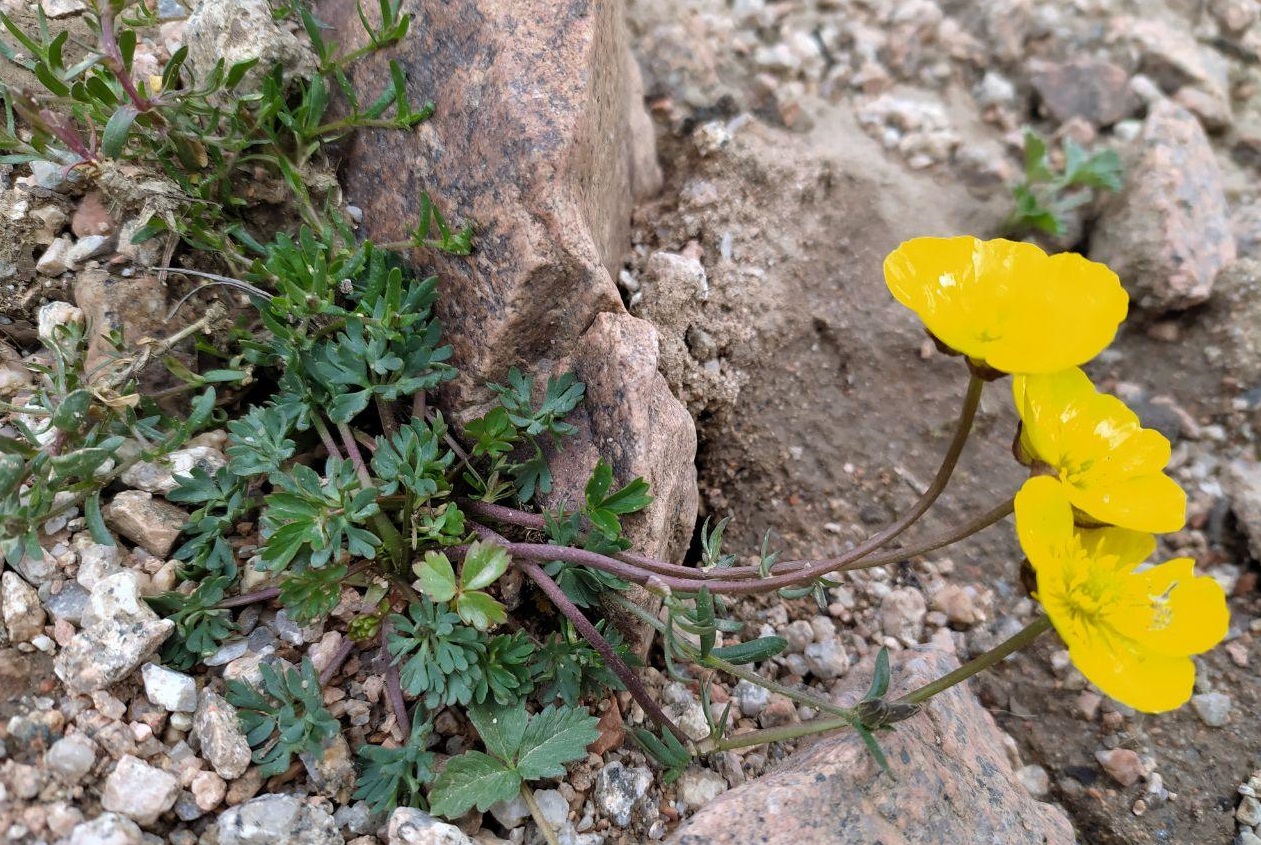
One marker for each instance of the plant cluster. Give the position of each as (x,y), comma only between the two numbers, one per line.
(1051,189)
(193,143)
(341,474)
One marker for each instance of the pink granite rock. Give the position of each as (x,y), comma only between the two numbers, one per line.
(1168,233)
(955,785)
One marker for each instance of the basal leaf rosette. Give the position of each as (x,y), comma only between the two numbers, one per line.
(1008,305)
(1130,632)
(1111,467)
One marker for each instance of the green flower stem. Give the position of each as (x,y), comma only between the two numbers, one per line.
(720,665)
(760,737)
(1021,639)
(798,696)
(780,734)
(540,820)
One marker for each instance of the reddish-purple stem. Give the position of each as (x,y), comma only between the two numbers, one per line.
(249,598)
(338,658)
(593,636)
(394,685)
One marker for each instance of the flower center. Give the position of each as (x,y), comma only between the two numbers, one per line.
(1090,590)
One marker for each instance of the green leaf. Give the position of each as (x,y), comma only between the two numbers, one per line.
(1037,166)
(753,651)
(483,564)
(554,737)
(705,620)
(879,677)
(437,578)
(114,138)
(12,473)
(472,779)
(95,520)
(501,728)
(72,414)
(480,610)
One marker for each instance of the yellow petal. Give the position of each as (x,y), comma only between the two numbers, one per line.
(1118,548)
(1007,303)
(1174,611)
(1044,521)
(936,278)
(1048,403)
(1153,503)
(1145,680)
(1055,311)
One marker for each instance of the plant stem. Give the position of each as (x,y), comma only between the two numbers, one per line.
(389,534)
(798,572)
(326,437)
(1021,639)
(356,458)
(249,598)
(611,659)
(339,657)
(393,685)
(718,664)
(780,734)
(539,819)
(532,521)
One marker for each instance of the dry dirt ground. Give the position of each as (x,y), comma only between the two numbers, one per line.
(822,412)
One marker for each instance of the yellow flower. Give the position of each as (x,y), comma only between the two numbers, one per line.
(1006,304)
(1111,467)
(1130,633)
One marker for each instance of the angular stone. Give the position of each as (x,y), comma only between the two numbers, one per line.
(56,259)
(161,477)
(107,829)
(333,773)
(631,420)
(23,614)
(1243,485)
(139,791)
(90,246)
(1213,708)
(1093,89)
(54,315)
(277,820)
(119,632)
(137,308)
(173,691)
(1123,765)
(1172,56)
(236,31)
(549,179)
(902,614)
(409,826)
(1168,233)
(697,787)
(96,562)
(71,757)
(619,790)
(151,523)
(955,785)
(218,730)
(208,790)
(92,217)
